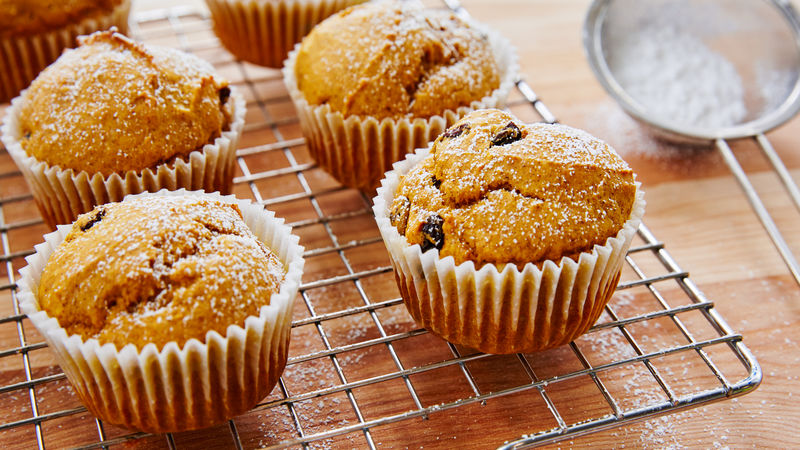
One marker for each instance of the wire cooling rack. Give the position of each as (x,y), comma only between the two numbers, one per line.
(361,373)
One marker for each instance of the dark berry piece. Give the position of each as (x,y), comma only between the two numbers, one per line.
(398,214)
(432,233)
(98,216)
(510,133)
(437,183)
(456,131)
(224,93)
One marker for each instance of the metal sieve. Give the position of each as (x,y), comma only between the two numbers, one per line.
(704,71)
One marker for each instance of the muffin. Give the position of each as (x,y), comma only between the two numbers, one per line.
(114,117)
(375,81)
(508,237)
(33,33)
(264,31)
(167,311)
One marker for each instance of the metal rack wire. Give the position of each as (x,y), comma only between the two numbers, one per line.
(361,373)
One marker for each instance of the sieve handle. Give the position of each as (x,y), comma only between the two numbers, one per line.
(780,168)
(758,207)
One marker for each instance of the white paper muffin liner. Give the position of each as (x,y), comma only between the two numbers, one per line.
(358,150)
(263,32)
(175,389)
(501,309)
(62,195)
(23,57)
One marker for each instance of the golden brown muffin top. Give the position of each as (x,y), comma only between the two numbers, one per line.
(395,60)
(158,269)
(495,190)
(113,105)
(23,17)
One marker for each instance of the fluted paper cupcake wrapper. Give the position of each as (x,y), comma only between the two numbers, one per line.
(502,309)
(23,57)
(176,389)
(62,195)
(263,33)
(358,150)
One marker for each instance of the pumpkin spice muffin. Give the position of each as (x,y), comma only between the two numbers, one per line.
(144,301)
(377,80)
(394,62)
(509,237)
(264,31)
(158,269)
(33,33)
(114,117)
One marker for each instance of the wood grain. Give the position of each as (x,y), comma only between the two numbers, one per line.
(694,206)
(697,208)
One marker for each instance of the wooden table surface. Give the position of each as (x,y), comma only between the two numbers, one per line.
(695,206)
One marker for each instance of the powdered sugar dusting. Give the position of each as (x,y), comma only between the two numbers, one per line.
(677,78)
(114,105)
(395,59)
(511,192)
(671,71)
(160,268)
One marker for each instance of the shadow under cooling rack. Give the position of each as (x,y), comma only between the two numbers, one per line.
(361,373)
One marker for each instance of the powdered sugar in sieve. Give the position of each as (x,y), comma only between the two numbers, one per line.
(704,71)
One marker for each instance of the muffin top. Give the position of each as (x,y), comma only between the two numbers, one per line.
(114,105)
(23,17)
(395,60)
(158,269)
(495,190)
